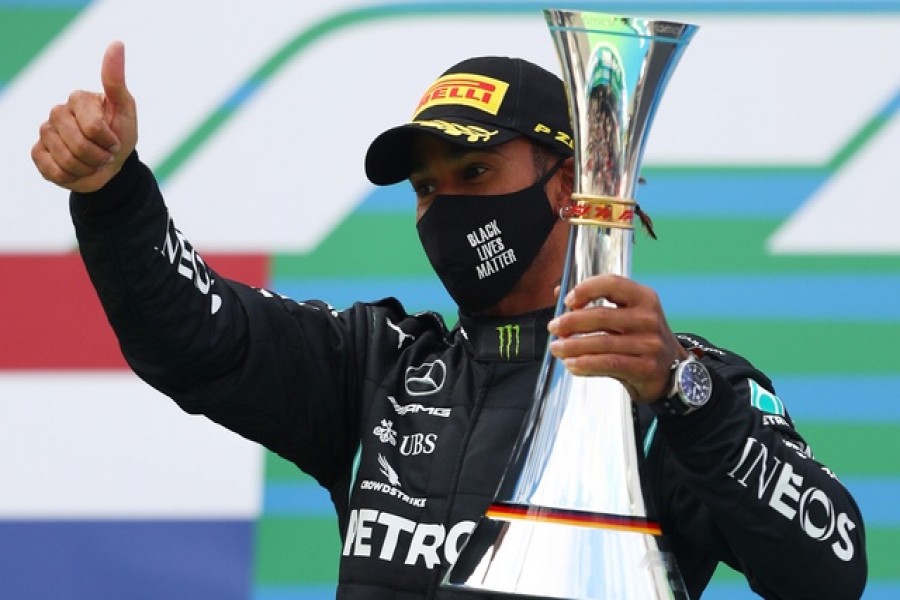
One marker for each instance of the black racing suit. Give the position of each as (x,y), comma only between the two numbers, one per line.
(409,426)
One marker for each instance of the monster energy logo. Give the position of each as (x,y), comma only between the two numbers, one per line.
(508,340)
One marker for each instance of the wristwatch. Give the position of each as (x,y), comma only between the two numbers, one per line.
(691,388)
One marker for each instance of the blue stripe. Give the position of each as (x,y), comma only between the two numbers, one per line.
(791,297)
(893,106)
(875,590)
(296,499)
(709,194)
(241,95)
(294,592)
(138,560)
(736,590)
(882,590)
(877,499)
(842,399)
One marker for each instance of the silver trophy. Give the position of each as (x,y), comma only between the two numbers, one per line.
(569,518)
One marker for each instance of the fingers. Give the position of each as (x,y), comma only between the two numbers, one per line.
(642,365)
(75,141)
(633,370)
(54,161)
(600,343)
(636,308)
(614,288)
(628,340)
(81,127)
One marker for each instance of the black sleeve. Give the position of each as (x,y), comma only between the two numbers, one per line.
(743,485)
(276,371)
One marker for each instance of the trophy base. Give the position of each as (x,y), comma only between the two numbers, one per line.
(536,552)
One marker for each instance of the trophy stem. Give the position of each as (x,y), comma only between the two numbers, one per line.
(569,519)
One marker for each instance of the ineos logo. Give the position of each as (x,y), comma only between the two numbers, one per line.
(426,379)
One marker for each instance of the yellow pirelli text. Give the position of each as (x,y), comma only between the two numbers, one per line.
(465,89)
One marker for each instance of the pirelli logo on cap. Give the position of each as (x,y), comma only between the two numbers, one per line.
(465,89)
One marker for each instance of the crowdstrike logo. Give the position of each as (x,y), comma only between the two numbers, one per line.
(390,537)
(426,379)
(508,340)
(392,488)
(777,484)
(388,471)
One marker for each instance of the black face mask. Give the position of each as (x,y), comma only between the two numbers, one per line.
(480,246)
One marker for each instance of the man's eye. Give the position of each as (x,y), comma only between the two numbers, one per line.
(473,171)
(423,189)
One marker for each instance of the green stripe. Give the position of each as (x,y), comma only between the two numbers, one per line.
(855,449)
(25,31)
(736,246)
(377,244)
(369,245)
(279,469)
(883,546)
(857,142)
(296,550)
(805,348)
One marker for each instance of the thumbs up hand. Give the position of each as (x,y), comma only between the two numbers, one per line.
(85,141)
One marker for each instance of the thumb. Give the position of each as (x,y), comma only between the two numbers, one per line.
(112,74)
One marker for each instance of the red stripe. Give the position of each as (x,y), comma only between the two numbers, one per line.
(50,317)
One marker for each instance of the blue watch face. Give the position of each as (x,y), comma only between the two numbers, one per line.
(695,383)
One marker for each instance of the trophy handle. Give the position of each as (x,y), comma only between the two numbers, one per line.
(569,518)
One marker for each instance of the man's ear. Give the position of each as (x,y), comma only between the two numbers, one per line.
(566,184)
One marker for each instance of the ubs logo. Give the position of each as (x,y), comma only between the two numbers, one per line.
(426,379)
(418,443)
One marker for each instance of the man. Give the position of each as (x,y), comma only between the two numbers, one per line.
(408,425)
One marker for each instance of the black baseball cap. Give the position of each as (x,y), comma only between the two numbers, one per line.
(480,102)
